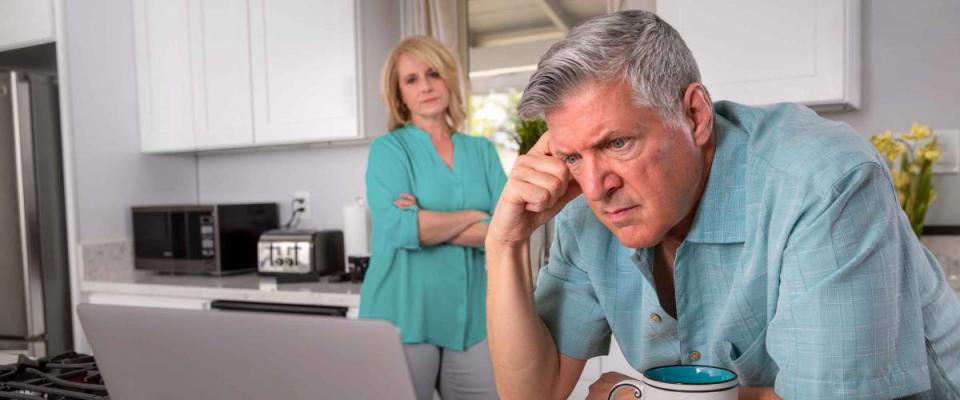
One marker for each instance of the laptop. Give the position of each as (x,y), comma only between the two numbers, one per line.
(151,353)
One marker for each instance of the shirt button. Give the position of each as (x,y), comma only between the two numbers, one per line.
(694,355)
(655,317)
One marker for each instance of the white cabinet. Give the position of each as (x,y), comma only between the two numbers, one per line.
(164,84)
(181,303)
(761,52)
(25,23)
(304,70)
(224,110)
(216,74)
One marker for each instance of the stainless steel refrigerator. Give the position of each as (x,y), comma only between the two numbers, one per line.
(35,317)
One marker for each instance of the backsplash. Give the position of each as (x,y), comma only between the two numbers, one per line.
(106,261)
(947,250)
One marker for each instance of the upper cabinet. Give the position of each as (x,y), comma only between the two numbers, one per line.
(762,52)
(218,74)
(304,71)
(25,23)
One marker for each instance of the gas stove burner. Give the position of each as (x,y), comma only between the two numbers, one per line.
(61,377)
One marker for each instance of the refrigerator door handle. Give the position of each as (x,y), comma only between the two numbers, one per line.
(26,193)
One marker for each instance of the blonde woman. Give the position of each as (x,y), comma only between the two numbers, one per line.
(431,191)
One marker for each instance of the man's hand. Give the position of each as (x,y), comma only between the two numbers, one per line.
(537,189)
(600,389)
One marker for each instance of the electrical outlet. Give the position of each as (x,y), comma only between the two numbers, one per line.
(301,198)
(949,142)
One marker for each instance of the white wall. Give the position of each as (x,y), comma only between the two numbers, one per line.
(110,172)
(911,59)
(332,175)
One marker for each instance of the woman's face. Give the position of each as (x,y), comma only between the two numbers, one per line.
(421,88)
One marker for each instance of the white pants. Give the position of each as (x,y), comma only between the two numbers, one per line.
(457,375)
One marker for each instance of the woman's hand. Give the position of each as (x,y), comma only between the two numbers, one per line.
(405,200)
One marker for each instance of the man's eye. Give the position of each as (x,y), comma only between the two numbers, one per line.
(571,159)
(617,143)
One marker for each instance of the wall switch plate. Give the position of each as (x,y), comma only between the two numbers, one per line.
(949,142)
(301,198)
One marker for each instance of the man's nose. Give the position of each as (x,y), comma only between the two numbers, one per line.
(597,181)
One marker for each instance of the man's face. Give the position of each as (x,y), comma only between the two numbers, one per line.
(640,176)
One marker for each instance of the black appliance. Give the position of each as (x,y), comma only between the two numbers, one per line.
(200,239)
(305,309)
(64,376)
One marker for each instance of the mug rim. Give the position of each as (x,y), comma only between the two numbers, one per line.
(691,387)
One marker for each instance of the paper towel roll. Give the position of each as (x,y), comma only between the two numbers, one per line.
(356,229)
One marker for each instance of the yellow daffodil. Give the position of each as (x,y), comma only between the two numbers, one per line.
(929,151)
(901,180)
(889,147)
(910,156)
(917,132)
(898,150)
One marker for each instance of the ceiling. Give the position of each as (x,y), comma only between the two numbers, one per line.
(507,22)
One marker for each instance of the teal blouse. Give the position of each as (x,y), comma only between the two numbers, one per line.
(433,294)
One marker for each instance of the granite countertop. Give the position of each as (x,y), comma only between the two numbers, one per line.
(245,287)
(108,268)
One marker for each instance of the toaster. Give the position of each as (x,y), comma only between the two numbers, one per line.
(300,255)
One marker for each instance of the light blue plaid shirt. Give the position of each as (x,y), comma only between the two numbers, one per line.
(800,272)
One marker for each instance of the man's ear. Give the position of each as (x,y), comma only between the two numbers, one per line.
(698,110)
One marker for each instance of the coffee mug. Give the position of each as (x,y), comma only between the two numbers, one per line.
(682,382)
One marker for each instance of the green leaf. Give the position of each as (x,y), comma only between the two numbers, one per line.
(528,133)
(921,193)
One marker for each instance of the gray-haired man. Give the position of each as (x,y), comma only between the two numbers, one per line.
(765,240)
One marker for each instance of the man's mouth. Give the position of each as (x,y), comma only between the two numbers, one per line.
(617,214)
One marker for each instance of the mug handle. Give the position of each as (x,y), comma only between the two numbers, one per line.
(635,384)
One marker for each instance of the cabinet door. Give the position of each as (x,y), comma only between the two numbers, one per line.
(221,65)
(761,52)
(304,70)
(181,303)
(164,81)
(25,23)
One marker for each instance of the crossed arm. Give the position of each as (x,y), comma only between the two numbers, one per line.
(462,228)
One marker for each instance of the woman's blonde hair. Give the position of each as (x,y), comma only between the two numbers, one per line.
(438,57)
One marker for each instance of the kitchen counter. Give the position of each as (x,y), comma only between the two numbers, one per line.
(107,269)
(245,287)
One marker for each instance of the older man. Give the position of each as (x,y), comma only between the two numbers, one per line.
(765,240)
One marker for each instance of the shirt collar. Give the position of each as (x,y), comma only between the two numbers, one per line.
(721,215)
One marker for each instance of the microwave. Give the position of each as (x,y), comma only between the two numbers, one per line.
(218,239)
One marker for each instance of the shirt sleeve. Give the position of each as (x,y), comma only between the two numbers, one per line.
(566,301)
(388,174)
(848,322)
(496,178)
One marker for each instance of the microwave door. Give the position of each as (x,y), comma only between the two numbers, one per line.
(158,234)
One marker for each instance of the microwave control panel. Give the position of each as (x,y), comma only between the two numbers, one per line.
(207,244)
